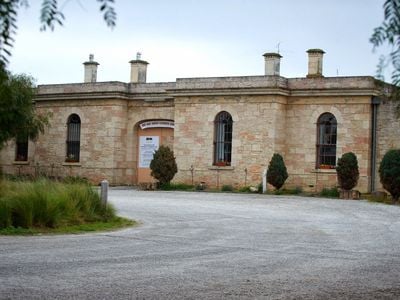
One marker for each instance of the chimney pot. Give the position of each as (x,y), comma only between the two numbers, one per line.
(90,74)
(315,60)
(272,64)
(138,69)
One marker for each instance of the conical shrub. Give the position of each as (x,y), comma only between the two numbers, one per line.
(347,171)
(163,165)
(277,173)
(389,173)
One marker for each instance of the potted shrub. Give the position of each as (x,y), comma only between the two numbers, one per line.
(347,174)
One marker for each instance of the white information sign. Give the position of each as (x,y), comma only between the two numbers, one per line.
(147,146)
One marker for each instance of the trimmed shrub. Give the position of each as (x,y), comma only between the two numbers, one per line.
(163,165)
(277,173)
(389,172)
(347,171)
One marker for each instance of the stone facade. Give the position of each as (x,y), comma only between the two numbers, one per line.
(270,114)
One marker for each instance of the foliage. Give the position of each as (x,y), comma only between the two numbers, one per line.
(245,189)
(277,173)
(347,171)
(389,172)
(176,187)
(227,188)
(389,32)
(18,119)
(76,180)
(163,165)
(330,192)
(50,204)
(50,14)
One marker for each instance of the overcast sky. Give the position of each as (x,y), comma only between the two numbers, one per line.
(198,38)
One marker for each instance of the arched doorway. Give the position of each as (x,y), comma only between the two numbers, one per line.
(152,134)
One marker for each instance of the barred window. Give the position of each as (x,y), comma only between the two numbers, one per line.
(21,151)
(73,138)
(223,139)
(326,141)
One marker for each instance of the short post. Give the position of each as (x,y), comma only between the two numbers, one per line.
(192,171)
(104,192)
(264,181)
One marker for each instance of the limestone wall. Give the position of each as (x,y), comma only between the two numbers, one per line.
(388,133)
(353,118)
(255,121)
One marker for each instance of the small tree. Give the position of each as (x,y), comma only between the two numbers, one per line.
(163,165)
(277,173)
(389,172)
(347,171)
(18,118)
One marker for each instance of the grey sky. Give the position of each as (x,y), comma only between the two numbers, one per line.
(197,38)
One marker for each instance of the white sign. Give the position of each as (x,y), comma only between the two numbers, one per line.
(147,146)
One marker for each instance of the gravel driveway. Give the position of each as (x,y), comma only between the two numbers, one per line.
(213,246)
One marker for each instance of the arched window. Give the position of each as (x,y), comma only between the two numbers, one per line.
(73,138)
(21,151)
(223,139)
(326,141)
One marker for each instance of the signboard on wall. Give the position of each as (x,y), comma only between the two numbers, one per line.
(147,146)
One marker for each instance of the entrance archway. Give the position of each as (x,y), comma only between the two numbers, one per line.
(152,134)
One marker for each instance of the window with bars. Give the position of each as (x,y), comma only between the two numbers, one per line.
(73,138)
(21,151)
(223,139)
(326,141)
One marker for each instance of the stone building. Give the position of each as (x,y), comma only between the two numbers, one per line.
(223,130)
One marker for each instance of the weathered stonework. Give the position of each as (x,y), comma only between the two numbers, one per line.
(271,114)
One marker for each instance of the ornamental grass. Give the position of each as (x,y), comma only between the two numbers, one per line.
(46,203)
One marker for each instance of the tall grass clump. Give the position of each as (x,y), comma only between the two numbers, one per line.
(44,203)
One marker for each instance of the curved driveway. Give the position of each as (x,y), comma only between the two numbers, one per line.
(213,246)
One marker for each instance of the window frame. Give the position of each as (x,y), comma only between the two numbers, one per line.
(21,150)
(223,130)
(73,140)
(326,144)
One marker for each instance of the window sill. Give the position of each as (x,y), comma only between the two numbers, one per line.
(71,164)
(328,171)
(20,162)
(224,168)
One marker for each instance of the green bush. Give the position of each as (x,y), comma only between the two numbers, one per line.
(163,165)
(296,191)
(227,188)
(176,187)
(330,192)
(347,171)
(50,204)
(277,173)
(245,189)
(389,172)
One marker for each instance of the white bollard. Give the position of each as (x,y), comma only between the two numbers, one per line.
(104,192)
(264,181)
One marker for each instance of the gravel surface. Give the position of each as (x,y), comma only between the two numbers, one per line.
(213,246)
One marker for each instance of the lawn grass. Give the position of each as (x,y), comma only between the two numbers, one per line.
(113,224)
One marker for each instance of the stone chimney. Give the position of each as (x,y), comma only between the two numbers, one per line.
(272,64)
(315,59)
(138,69)
(90,69)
